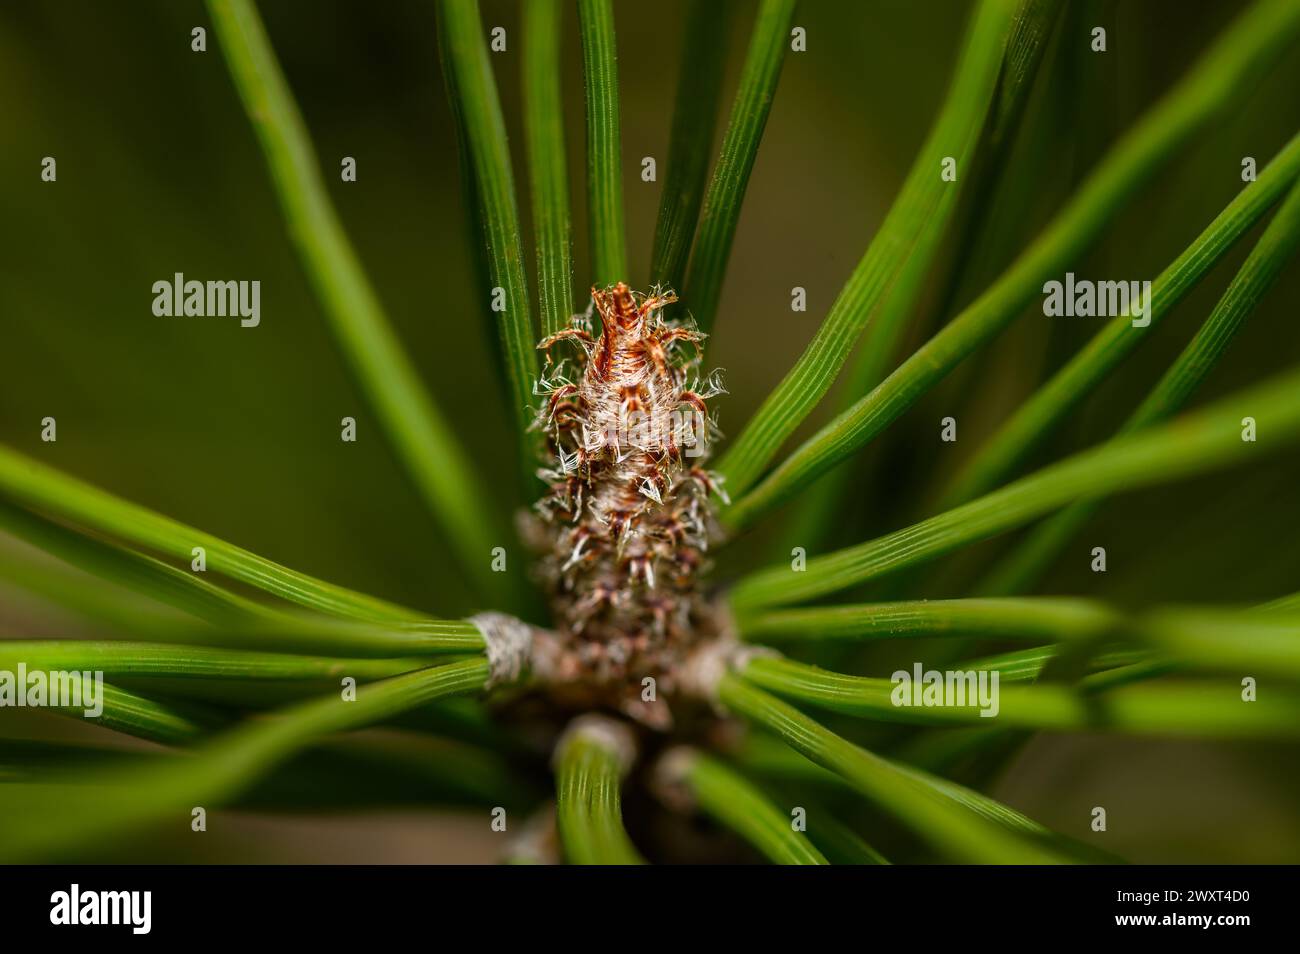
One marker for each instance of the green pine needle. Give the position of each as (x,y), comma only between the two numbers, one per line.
(734,802)
(110,805)
(1019,570)
(607,233)
(1213,84)
(547,170)
(418,430)
(953,820)
(41,487)
(1193,710)
(916,219)
(708,263)
(695,120)
(588,775)
(1196,443)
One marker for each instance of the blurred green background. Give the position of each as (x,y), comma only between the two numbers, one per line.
(237,430)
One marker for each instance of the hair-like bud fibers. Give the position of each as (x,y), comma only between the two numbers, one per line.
(627,517)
